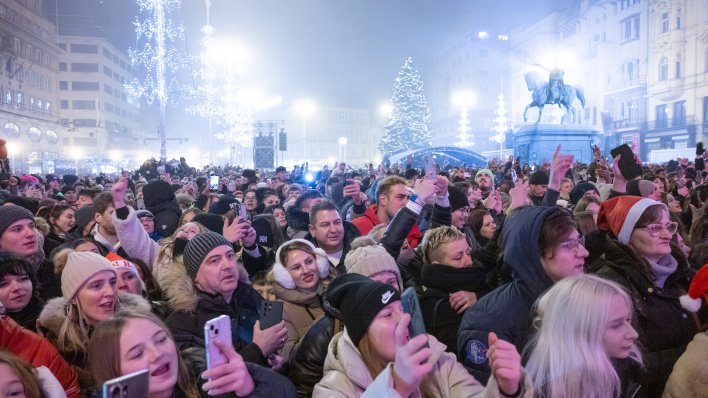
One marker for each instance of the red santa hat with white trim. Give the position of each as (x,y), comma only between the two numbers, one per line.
(697,290)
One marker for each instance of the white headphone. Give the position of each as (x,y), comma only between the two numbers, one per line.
(282,276)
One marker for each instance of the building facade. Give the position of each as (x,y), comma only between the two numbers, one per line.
(28,93)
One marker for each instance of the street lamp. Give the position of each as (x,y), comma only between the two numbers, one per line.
(305,108)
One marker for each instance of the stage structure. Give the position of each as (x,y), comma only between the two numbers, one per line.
(444,156)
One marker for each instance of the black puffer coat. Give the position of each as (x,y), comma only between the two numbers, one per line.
(664,327)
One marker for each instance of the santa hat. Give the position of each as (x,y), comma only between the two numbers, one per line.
(621,214)
(119,262)
(698,288)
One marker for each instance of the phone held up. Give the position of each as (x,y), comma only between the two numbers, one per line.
(627,165)
(213,183)
(271,313)
(128,386)
(218,328)
(409,301)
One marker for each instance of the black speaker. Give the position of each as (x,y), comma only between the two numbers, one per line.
(283,141)
(263,152)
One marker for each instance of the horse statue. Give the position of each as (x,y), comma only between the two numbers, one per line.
(553,93)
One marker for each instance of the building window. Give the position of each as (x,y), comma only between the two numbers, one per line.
(64,104)
(84,86)
(679,113)
(48,107)
(678,21)
(9,95)
(664,22)
(63,85)
(663,69)
(662,115)
(678,70)
(705,60)
(20,100)
(62,67)
(83,104)
(630,28)
(84,48)
(83,67)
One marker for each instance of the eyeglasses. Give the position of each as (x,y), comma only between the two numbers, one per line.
(572,245)
(655,229)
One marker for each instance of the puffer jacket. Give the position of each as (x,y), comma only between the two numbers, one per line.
(38,352)
(655,308)
(346,375)
(193,308)
(506,310)
(52,317)
(300,310)
(307,366)
(690,375)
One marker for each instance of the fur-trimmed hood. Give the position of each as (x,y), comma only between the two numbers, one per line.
(54,312)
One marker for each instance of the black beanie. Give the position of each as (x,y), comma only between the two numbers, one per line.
(70,179)
(223,205)
(539,177)
(212,222)
(458,199)
(28,203)
(157,192)
(579,191)
(358,300)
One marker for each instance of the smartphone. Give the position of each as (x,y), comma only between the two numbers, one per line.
(131,385)
(409,300)
(218,328)
(271,313)
(213,183)
(628,167)
(430,170)
(242,211)
(347,177)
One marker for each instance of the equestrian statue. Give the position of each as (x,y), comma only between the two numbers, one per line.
(553,92)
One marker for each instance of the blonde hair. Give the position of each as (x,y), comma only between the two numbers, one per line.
(566,357)
(436,237)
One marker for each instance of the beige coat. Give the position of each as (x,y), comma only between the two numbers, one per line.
(300,310)
(689,378)
(346,375)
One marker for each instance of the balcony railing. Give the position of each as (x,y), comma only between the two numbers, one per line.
(669,123)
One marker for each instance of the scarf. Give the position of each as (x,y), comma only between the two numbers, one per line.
(661,269)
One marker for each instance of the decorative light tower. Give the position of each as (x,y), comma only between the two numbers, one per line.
(501,123)
(463,99)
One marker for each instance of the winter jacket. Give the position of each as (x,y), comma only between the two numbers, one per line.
(369,220)
(300,310)
(441,320)
(350,233)
(506,310)
(38,352)
(167,217)
(307,366)
(690,375)
(655,308)
(346,375)
(193,308)
(53,316)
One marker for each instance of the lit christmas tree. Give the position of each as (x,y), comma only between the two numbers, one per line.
(157,52)
(408,125)
(463,129)
(501,123)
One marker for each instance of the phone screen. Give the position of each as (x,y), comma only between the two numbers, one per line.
(213,183)
(409,301)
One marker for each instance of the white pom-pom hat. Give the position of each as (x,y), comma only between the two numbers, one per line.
(282,276)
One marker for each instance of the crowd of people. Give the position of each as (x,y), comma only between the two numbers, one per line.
(558,280)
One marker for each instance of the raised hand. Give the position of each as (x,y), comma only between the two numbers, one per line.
(237,230)
(425,188)
(505,362)
(229,377)
(411,363)
(518,194)
(353,190)
(559,166)
(118,192)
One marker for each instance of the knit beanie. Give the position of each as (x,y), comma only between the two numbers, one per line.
(28,203)
(539,177)
(80,267)
(621,214)
(212,222)
(198,248)
(119,262)
(579,191)
(642,188)
(458,199)
(83,216)
(223,205)
(11,214)
(70,179)
(698,288)
(370,260)
(358,300)
(67,188)
(157,192)
(281,274)
(485,171)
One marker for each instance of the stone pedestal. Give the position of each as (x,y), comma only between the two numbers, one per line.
(537,143)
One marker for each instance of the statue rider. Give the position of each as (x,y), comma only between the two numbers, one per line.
(556,87)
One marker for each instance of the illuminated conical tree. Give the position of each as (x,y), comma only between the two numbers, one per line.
(408,125)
